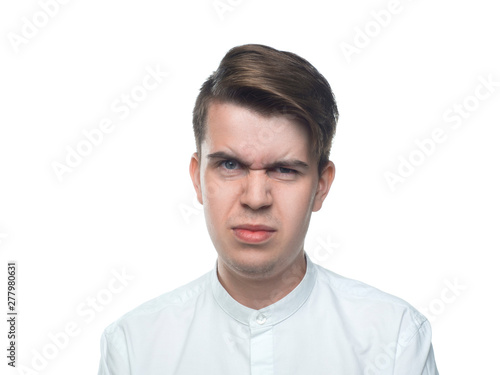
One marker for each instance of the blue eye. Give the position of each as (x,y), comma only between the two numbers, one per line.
(230,164)
(285,170)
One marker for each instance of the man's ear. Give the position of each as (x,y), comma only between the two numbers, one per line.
(324,183)
(194,171)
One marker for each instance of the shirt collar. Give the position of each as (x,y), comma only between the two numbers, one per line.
(271,314)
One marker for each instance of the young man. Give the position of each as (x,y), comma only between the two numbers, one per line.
(264,123)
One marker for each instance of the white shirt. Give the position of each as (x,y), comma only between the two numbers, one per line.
(327,325)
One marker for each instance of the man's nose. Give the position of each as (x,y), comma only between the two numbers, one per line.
(256,190)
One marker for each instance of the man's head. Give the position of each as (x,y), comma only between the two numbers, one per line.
(264,123)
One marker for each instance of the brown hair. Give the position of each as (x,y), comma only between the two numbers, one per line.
(271,82)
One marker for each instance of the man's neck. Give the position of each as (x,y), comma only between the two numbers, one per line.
(258,293)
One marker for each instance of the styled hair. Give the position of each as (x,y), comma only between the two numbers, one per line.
(271,82)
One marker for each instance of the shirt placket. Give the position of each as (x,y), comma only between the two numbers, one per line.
(261,345)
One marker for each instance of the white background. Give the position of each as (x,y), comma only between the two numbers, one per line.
(128,206)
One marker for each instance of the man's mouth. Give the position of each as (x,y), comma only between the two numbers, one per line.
(250,233)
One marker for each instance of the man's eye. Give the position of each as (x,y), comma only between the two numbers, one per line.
(284,174)
(286,170)
(230,164)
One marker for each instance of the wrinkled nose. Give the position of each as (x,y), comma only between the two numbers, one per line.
(256,190)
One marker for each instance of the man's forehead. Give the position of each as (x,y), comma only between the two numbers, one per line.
(242,130)
(221,112)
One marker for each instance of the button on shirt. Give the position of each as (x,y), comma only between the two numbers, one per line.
(328,324)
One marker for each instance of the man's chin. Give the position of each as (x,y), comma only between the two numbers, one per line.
(258,266)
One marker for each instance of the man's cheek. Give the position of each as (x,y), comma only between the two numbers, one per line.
(211,189)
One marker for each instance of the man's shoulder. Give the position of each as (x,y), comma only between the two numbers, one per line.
(179,298)
(366,299)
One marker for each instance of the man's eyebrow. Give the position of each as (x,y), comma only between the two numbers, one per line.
(286,163)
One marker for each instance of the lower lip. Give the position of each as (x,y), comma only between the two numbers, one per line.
(252,236)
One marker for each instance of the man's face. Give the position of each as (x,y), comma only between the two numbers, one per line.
(258,182)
